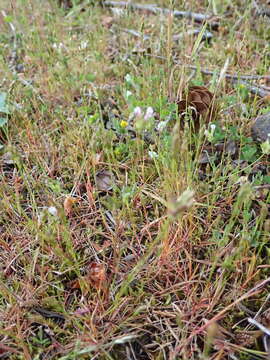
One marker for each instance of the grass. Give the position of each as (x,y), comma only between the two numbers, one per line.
(116,243)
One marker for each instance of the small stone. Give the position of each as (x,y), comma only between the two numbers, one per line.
(104,180)
(230,147)
(261,128)
(19,68)
(8,158)
(205,158)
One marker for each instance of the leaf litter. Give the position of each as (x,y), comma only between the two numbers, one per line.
(105,180)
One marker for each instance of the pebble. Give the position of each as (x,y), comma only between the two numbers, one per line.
(261,128)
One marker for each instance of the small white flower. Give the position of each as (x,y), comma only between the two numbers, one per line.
(128,94)
(83,45)
(59,46)
(128,78)
(210,134)
(161,126)
(52,210)
(152,154)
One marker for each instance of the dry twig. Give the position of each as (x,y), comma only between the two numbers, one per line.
(240,79)
(206,36)
(253,89)
(215,72)
(197,17)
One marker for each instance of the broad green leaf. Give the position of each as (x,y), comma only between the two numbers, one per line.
(3,105)
(8,19)
(3,121)
(249,153)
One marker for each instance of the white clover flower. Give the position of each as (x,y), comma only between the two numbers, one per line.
(149,113)
(137,112)
(143,120)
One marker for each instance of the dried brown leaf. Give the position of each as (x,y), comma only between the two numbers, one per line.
(97,275)
(107,21)
(68,205)
(104,180)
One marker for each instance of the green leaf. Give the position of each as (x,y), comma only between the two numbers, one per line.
(231,100)
(266,179)
(93,118)
(265,146)
(198,40)
(90,77)
(219,134)
(8,19)
(249,153)
(3,105)
(3,121)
